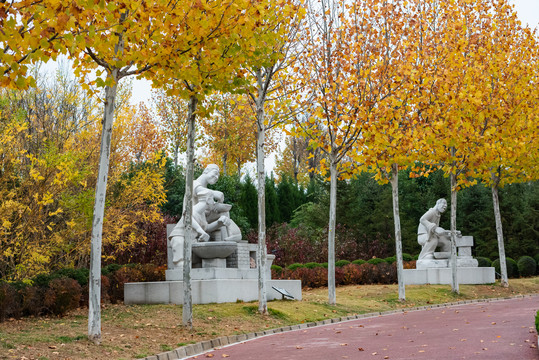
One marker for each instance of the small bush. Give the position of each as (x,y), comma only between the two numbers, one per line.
(62,295)
(352,274)
(386,273)
(536,258)
(407,257)
(526,266)
(367,273)
(9,302)
(120,277)
(324,265)
(342,263)
(483,261)
(409,264)
(391,259)
(32,300)
(80,275)
(537,321)
(295,266)
(151,272)
(277,269)
(312,265)
(512,267)
(110,269)
(375,261)
(358,262)
(416,257)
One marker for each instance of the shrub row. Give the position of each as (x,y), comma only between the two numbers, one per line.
(67,289)
(342,263)
(525,266)
(348,274)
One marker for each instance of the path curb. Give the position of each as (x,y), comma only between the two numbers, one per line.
(208,345)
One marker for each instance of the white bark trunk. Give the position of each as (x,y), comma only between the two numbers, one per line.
(397,222)
(187,313)
(499,232)
(94,301)
(453,259)
(332,297)
(261,253)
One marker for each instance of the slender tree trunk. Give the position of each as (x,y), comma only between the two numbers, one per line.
(225,170)
(397,221)
(499,232)
(187,314)
(176,151)
(332,297)
(261,258)
(94,301)
(453,259)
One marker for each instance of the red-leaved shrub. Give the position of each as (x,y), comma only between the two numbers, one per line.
(62,295)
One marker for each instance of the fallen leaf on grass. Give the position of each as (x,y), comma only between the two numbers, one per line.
(52,347)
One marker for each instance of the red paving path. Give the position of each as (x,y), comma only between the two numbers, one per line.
(501,329)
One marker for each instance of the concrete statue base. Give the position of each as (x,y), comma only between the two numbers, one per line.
(206,291)
(465,275)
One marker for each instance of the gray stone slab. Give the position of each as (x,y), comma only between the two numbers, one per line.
(163,356)
(465,275)
(180,353)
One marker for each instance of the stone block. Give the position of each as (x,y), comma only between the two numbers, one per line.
(180,353)
(464,241)
(163,356)
(465,275)
(206,345)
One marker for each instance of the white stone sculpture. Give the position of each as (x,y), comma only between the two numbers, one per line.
(211,220)
(430,235)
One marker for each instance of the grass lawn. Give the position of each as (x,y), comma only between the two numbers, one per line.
(137,331)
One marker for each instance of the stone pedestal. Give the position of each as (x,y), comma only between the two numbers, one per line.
(213,280)
(438,270)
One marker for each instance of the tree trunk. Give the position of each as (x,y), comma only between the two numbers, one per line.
(261,258)
(499,232)
(332,299)
(453,259)
(187,315)
(397,221)
(94,301)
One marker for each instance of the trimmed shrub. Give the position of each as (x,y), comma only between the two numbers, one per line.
(367,274)
(277,269)
(295,266)
(80,275)
(324,265)
(375,261)
(407,257)
(32,300)
(62,295)
(120,277)
(416,257)
(385,273)
(390,260)
(342,263)
(352,274)
(484,261)
(512,267)
(409,264)
(526,266)
(9,302)
(110,269)
(312,265)
(151,272)
(358,262)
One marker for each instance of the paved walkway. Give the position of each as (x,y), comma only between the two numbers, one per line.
(501,329)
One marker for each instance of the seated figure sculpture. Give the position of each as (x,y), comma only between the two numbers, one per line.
(430,235)
(210,219)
